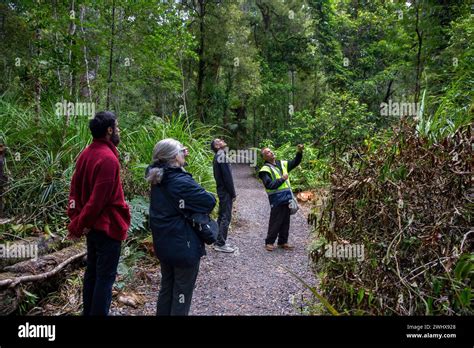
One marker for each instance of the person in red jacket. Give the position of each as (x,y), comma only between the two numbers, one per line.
(98,210)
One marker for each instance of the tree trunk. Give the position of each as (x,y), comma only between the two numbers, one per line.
(87,91)
(225,118)
(72,59)
(292,78)
(183,86)
(37,80)
(109,80)
(254,127)
(56,42)
(389,91)
(241,115)
(419,67)
(202,65)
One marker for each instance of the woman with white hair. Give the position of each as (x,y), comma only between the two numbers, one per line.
(174,196)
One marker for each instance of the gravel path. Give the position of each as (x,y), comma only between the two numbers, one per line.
(251,281)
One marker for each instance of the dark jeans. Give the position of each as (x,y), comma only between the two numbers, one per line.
(176,292)
(103,255)
(279,225)
(225,216)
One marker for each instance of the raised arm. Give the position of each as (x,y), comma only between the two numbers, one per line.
(297,160)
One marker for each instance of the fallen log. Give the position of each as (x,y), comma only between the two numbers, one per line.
(34,274)
(45,263)
(29,278)
(41,245)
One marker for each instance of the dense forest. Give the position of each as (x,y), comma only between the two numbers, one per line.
(380,93)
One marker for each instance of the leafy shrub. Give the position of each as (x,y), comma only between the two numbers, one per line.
(406,202)
(338,124)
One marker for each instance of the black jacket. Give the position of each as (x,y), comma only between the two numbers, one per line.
(284,197)
(175,241)
(223,174)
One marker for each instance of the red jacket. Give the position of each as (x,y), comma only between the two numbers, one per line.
(96,199)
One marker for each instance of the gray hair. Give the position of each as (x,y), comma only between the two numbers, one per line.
(165,152)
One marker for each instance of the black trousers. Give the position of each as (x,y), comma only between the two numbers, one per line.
(224,218)
(279,225)
(103,255)
(176,292)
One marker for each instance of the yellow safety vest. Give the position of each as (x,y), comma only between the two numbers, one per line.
(275,174)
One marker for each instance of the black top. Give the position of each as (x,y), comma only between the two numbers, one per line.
(223,174)
(175,241)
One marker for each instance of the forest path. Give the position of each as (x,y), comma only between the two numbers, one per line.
(250,281)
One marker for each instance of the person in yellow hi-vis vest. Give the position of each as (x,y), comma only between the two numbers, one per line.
(274,175)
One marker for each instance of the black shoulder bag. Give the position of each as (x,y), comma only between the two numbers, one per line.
(205,227)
